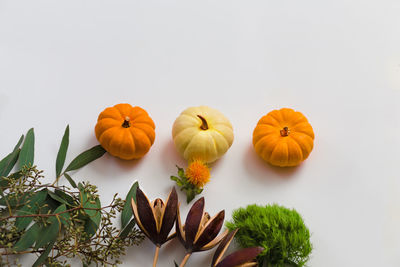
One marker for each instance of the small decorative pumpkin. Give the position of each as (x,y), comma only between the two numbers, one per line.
(202,133)
(124,131)
(283,137)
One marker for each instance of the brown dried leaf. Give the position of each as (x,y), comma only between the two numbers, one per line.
(223,246)
(210,231)
(169,216)
(193,220)
(240,257)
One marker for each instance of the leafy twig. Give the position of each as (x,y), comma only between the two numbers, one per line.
(54,222)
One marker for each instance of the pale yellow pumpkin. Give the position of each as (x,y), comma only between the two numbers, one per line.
(202,133)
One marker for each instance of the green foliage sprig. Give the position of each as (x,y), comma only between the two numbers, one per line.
(185,185)
(54,222)
(280,231)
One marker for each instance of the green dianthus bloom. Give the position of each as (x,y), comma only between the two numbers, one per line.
(280,231)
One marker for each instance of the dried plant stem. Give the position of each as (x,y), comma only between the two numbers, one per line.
(185,259)
(54,214)
(5,252)
(156,256)
(57,179)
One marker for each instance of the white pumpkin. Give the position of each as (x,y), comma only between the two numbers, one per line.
(202,133)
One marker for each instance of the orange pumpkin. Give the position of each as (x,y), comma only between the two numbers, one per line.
(124,131)
(283,137)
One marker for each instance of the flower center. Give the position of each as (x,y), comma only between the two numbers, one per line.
(198,173)
(158,205)
(205,219)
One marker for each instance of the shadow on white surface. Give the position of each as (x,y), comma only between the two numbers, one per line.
(104,163)
(218,164)
(127,165)
(170,157)
(264,172)
(173,247)
(174,251)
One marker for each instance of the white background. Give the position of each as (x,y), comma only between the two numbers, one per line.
(338,62)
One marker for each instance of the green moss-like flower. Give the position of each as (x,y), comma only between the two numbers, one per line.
(280,231)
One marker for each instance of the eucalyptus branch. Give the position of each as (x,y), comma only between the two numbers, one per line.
(55,222)
(56,187)
(55,214)
(57,179)
(87,227)
(20,252)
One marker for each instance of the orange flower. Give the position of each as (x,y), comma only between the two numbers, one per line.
(198,173)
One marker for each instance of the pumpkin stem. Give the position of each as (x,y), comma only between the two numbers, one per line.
(285,131)
(204,124)
(126,123)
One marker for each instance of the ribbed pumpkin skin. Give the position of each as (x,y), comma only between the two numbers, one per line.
(129,142)
(273,145)
(194,143)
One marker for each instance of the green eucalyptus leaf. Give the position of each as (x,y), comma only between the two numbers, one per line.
(95,215)
(3,183)
(8,163)
(29,209)
(57,198)
(28,238)
(40,242)
(50,205)
(19,143)
(50,232)
(127,213)
(62,152)
(3,197)
(82,194)
(90,227)
(70,180)
(15,175)
(65,217)
(26,156)
(44,255)
(12,201)
(128,228)
(67,198)
(91,206)
(86,157)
